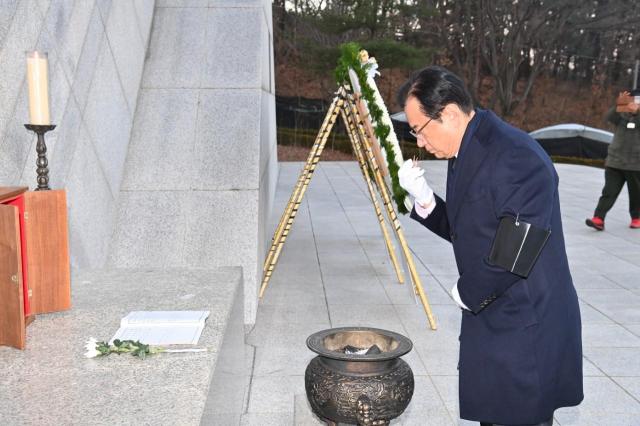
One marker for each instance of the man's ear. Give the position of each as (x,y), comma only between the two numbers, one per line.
(451,113)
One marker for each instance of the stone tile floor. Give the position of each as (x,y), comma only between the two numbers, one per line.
(334,271)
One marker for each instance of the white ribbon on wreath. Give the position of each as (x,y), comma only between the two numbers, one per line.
(372,71)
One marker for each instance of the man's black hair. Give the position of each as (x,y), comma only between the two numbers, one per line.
(435,87)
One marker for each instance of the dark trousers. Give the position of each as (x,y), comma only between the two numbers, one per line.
(547,423)
(614,180)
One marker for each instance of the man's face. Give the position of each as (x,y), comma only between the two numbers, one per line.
(439,136)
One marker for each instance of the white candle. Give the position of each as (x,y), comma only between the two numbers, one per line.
(38,81)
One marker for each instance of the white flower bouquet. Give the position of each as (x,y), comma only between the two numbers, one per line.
(97,348)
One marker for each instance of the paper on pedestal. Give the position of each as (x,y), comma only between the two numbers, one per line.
(162,327)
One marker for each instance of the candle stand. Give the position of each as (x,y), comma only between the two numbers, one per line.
(41,148)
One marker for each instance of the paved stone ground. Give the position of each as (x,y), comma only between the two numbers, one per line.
(334,271)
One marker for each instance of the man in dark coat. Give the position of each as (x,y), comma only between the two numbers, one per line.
(520,341)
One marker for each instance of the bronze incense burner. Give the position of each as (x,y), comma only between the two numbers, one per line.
(358,376)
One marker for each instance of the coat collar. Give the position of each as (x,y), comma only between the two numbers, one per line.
(470,158)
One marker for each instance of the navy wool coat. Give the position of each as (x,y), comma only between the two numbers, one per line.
(520,342)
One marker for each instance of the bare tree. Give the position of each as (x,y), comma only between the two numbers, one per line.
(514,41)
(510,42)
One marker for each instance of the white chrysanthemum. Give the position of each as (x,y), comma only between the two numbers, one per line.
(92,348)
(386,120)
(91,343)
(92,353)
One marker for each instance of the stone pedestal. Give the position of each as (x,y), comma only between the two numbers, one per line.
(51,382)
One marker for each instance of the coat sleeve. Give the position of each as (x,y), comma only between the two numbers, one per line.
(613,116)
(437,222)
(523,185)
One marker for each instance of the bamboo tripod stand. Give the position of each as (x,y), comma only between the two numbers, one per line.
(358,125)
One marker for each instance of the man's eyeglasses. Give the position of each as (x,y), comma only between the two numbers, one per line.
(417,132)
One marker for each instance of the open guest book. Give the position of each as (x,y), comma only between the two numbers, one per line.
(162,327)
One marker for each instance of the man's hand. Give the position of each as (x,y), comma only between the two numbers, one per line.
(626,103)
(412,180)
(624,98)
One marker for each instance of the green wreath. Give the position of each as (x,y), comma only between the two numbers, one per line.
(349,59)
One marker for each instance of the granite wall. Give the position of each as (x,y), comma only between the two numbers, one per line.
(96,58)
(166,132)
(202,165)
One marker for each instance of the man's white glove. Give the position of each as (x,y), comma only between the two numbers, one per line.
(456,297)
(413,181)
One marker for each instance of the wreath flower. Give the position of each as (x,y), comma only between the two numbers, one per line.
(354,58)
